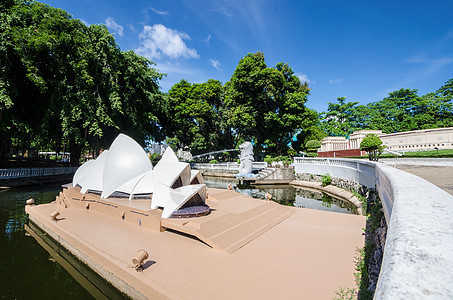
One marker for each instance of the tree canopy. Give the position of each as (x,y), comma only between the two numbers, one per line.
(372,144)
(401,110)
(63,83)
(266,105)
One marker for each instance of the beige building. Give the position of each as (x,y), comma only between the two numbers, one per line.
(425,139)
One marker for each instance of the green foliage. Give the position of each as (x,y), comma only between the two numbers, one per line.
(213,161)
(154,158)
(312,147)
(401,110)
(341,118)
(269,159)
(326,179)
(291,152)
(444,153)
(372,144)
(195,116)
(345,294)
(63,83)
(265,104)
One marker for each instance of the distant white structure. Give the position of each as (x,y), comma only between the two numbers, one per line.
(156,148)
(126,170)
(416,140)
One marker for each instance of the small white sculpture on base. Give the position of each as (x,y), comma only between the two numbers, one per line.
(246,157)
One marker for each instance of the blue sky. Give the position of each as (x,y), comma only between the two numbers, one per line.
(361,50)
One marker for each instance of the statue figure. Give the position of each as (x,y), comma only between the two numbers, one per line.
(246,157)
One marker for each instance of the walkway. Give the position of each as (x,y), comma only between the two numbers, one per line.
(440,176)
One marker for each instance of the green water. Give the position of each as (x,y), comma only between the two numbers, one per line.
(28,271)
(287,195)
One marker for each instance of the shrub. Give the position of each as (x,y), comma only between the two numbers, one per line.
(292,152)
(312,154)
(286,160)
(213,161)
(326,179)
(312,145)
(268,159)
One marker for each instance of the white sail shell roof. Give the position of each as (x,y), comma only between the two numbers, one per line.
(126,160)
(127,169)
(93,178)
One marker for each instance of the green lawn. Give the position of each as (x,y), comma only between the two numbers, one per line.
(432,153)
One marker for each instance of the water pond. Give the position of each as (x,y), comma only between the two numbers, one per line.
(286,195)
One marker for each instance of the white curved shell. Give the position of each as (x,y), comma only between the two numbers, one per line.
(82,171)
(93,179)
(126,160)
(145,185)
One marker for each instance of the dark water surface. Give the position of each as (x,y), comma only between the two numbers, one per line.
(28,271)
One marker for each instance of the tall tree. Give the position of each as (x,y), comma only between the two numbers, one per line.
(194,116)
(341,118)
(65,83)
(266,105)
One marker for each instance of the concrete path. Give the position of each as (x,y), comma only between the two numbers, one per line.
(440,176)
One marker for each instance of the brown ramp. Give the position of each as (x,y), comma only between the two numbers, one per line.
(231,231)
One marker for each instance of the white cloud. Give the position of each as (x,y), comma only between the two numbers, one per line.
(158,40)
(159,12)
(424,59)
(303,78)
(207,39)
(335,81)
(110,23)
(215,63)
(85,22)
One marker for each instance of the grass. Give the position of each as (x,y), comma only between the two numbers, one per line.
(444,153)
(421,154)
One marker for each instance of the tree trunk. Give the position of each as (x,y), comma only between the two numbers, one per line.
(75,150)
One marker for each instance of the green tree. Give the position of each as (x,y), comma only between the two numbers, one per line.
(194,116)
(66,84)
(394,113)
(266,105)
(372,144)
(342,118)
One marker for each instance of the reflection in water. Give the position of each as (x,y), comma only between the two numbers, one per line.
(287,195)
(25,269)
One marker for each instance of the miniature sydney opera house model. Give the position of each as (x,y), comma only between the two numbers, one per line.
(125,172)
(185,245)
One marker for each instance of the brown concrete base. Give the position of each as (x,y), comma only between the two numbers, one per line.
(309,254)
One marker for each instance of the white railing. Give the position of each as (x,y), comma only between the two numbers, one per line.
(35,172)
(417,259)
(234,166)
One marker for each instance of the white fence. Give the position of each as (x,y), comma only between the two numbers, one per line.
(418,251)
(234,166)
(35,172)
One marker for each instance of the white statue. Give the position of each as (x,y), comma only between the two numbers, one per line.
(246,157)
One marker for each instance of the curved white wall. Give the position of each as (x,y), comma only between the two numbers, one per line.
(418,253)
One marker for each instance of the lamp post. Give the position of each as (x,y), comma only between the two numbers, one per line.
(437,149)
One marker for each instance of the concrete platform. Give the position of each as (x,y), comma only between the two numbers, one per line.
(264,250)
